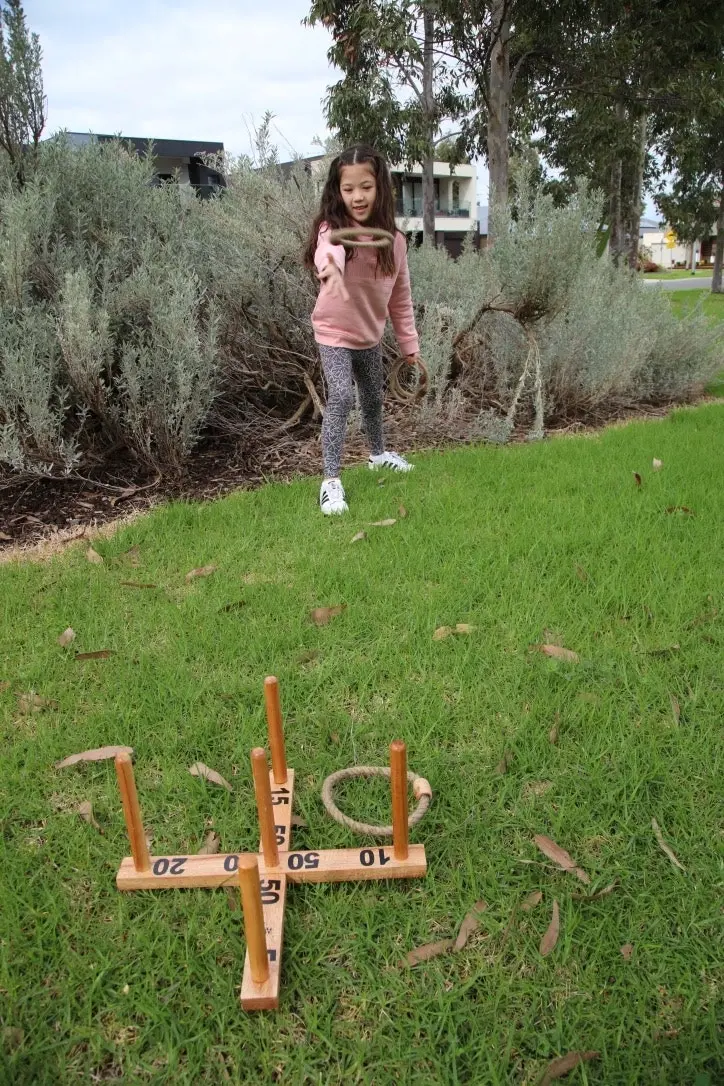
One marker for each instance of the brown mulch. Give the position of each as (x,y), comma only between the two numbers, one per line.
(40,516)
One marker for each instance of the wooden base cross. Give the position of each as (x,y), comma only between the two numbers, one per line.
(263,878)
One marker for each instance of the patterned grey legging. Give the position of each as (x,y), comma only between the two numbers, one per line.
(340,365)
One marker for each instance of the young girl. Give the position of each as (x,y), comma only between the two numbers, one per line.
(360,289)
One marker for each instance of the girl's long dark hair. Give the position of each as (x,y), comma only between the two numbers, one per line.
(333,212)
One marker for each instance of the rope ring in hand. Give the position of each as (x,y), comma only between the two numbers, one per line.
(407,395)
(352,235)
(420,787)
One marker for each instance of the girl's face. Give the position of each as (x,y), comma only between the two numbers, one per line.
(358,187)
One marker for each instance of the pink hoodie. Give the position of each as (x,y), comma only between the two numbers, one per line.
(360,322)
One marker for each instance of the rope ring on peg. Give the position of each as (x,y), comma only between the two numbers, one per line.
(352,235)
(420,788)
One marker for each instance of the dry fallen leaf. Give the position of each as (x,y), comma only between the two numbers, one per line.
(562,1066)
(504,764)
(235,606)
(626,951)
(471,923)
(599,893)
(33,703)
(558,652)
(136,584)
(13,1037)
(536,788)
(559,856)
(675,708)
(232,897)
(402,511)
(66,637)
(664,651)
(637,477)
(358,537)
(298,822)
(307,656)
(531,901)
(198,769)
(4,686)
(134,555)
(550,938)
(581,574)
(442,632)
(680,509)
(98,754)
(5,537)
(429,950)
(99,654)
(663,846)
(464,628)
(85,810)
(554,732)
(383,523)
(211,844)
(201,571)
(93,556)
(657,464)
(320,616)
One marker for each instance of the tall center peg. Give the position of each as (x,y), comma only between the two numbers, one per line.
(398,774)
(265,811)
(276,733)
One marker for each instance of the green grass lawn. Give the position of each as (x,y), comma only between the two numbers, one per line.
(680,273)
(529,544)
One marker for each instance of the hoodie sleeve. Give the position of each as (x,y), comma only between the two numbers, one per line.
(325,249)
(400,304)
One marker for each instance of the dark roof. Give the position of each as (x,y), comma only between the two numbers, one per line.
(161,148)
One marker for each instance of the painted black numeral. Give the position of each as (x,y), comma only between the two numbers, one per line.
(269,891)
(368,859)
(271,951)
(177,865)
(297,860)
(231,863)
(281,832)
(161,866)
(279,800)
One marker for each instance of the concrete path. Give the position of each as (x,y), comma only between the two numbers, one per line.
(693,283)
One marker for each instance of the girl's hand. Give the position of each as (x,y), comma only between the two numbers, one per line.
(334,280)
(413,359)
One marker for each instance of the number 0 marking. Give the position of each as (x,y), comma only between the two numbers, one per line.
(368,859)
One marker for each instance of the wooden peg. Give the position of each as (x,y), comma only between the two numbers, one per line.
(264,808)
(132,812)
(276,732)
(398,768)
(253,918)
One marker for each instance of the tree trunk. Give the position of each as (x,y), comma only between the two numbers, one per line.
(428,174)
(716,283)
(499,115)
(637,194)
(615,240)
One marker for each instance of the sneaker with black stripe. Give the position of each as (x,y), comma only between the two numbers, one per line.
(332,497)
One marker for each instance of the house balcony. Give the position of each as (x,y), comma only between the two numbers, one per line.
(412,209)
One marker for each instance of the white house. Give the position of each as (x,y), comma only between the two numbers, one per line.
(454,199)
(652,234)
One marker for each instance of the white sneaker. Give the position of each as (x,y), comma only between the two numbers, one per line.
(389,460)
(331,497)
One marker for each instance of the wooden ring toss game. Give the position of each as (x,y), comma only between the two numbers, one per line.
(262,877)
(362,237)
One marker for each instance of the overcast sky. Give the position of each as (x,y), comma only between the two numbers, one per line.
(186,69)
